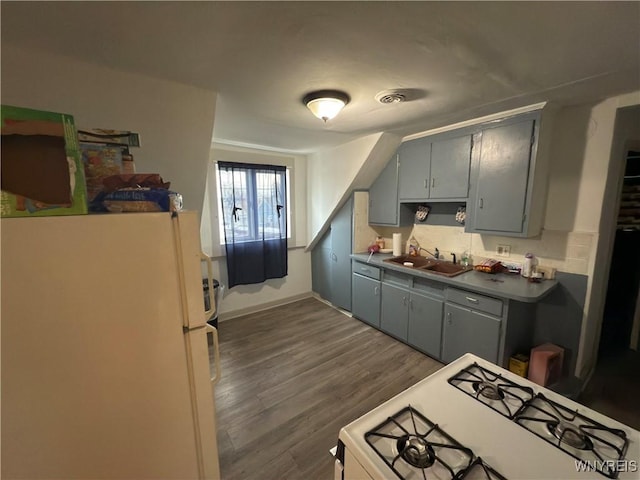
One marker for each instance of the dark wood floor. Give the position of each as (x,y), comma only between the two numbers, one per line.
(614,388)
(294,375)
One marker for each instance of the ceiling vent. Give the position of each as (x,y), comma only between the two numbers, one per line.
(390,96)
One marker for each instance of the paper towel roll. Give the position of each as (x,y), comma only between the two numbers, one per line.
(397,244)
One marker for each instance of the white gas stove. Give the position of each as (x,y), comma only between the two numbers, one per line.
(475,420)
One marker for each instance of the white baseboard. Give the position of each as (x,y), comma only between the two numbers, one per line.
(224,316)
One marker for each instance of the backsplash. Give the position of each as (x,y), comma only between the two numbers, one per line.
(566,251)
(570,252)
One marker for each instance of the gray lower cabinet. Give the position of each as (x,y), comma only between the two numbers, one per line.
(394,317)
(341,246)
(365,303)
(331,260)
(466,330)
(425,324)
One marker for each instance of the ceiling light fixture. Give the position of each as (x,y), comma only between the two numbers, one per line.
(326,104)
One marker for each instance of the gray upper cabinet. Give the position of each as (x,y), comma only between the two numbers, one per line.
(434,168)
(383,196)
(450,161)
(508,178)
(414,169)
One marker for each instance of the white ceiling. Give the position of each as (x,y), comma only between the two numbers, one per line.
(462,59)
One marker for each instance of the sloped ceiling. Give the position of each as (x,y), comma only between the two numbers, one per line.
(460,59)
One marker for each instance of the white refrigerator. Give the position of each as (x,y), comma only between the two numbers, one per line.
(105,358)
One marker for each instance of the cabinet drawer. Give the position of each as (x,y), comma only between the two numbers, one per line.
(475,301)
(366,270)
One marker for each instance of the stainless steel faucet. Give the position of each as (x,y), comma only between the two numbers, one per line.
(434,255)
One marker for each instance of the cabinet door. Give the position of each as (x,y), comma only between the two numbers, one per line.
(321,267)
(425,324)
(395,311)
(502,178)
(340,257)
(383,196)
(365,303)
(414,159)
(450,161)
(469,331)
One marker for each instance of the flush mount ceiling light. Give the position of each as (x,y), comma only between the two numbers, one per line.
(326,104)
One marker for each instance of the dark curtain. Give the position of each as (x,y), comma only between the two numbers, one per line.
(254,207)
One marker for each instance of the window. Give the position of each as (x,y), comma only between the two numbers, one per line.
(248,193)
(254,215)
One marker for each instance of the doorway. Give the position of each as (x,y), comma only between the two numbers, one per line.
(624,275)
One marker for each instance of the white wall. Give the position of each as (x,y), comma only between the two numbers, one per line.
(334,173)
(243,299)
(175,121)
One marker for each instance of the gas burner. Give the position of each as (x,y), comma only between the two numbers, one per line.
(497,392)
(577,435)
(416,451)
(488,390)
(567,433)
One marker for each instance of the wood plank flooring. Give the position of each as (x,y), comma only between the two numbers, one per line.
(294,375)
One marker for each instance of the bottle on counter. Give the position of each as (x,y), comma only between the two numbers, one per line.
(380,242)
(465,259)
(530,263)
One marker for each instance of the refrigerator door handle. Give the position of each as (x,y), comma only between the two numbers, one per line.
(212,307)
(216,347)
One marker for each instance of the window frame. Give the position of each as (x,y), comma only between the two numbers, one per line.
(252,197)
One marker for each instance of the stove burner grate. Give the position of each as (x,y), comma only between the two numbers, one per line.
(577,435)
(419,444)
(495,391)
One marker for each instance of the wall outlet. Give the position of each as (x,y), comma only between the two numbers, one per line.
(503,250)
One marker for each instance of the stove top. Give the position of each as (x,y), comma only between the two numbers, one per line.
(491,424)
(413,447)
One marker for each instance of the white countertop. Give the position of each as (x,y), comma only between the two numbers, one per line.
(509,448)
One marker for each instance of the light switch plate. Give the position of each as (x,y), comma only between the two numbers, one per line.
(503,250)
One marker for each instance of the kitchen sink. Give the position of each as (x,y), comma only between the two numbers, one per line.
(418,262)
(431,265)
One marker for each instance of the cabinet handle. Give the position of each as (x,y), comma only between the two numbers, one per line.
(471,299)
(433,182)
(404,301)
(376,290)
(481,203)
(426,183)
(449,321)
(365,269)
(411,303)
